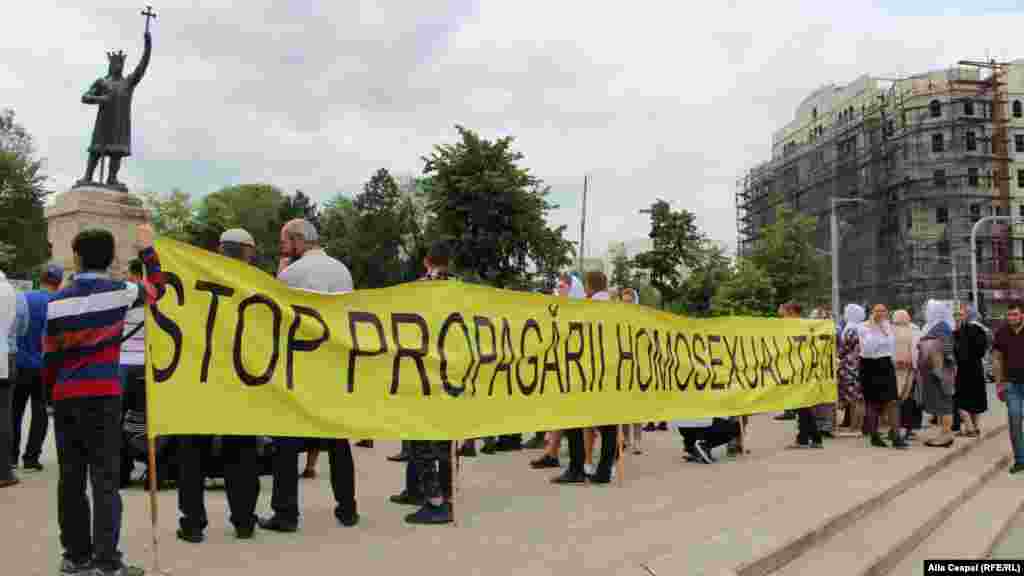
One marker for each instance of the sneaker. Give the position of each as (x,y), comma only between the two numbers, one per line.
(245,532)
(702,452)
(1016,468)
(76,567)
(431,514)
(123,570)
(545,461)
(32,465)
(347,518)
(589,469)
(190,535)
(406,499)
(276,524)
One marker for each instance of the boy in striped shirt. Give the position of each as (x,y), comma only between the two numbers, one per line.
(82,350)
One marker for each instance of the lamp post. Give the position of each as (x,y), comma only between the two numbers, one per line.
(974,250)
(834,225)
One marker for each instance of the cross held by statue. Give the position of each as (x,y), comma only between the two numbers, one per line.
(148,13)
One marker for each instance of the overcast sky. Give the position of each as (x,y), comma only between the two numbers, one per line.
(653,99)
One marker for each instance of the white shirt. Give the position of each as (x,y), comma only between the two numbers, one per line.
(874,343)
(8,310)
(318,272)
(133,350)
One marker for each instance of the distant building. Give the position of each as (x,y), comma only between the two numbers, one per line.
(932,154)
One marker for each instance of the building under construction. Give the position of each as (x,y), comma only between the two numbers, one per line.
(928,155)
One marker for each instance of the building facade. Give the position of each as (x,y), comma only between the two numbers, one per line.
(927,156)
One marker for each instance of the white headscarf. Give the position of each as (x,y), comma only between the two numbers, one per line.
(576,289)
(854,315)
(936,312)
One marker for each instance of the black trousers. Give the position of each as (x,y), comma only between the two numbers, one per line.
(285,496)
(29,388)
(609,450)
(88,434)
(721,432)
(429,471)
(807,426)
(241,479)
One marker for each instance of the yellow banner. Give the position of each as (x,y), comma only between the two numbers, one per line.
(230,350)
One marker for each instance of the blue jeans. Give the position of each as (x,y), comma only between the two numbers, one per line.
(1015,411)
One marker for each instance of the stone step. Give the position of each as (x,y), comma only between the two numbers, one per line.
(803,530)
(974,529)
(875,542)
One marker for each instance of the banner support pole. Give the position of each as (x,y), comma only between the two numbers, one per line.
(455,469)
(154,514)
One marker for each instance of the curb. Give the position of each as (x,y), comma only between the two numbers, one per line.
(795,548)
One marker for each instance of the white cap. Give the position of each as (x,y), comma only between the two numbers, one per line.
(237,236)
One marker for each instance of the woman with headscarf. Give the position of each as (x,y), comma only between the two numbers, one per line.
(972,343)
(878,377)
(569,287)
(851,397)
(632,432)
(907,337)
(936,370)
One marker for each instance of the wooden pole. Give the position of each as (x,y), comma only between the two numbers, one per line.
(151,441)
(454,463)
(622,455)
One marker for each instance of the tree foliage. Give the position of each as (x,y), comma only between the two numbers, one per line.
(678,248)
(785,252)
(491,209)
(622,269)
(171,215)
(22,199)
(255,207)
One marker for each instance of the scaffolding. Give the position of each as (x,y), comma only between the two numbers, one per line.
(930,155)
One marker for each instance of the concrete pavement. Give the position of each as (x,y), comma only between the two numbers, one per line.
(670,517)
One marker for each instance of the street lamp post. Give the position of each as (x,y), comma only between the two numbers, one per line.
(834,225)
(974,250)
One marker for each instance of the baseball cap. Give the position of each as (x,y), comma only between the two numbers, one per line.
(237,236)
(54,274)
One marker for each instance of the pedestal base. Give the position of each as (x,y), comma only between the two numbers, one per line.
(85,207)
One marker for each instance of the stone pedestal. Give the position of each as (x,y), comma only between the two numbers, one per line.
(86,207)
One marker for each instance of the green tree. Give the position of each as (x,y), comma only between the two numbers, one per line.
(677,250)
(747,291)
(785,252)
(172,215)
(622,269)
(376,246)
(337,227)
(255,207)
(713,267)
(299,205)
(491,209)
(22,198)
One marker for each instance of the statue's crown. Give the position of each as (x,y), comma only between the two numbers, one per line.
(116,57)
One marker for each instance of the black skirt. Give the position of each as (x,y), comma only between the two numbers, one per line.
(878,379)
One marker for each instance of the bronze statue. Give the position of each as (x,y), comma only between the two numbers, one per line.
(112,134)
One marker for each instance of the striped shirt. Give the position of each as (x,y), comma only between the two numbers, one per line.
(84,326)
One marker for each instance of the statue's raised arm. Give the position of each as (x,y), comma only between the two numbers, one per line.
(140,68)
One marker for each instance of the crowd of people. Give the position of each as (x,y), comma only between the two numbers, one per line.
(77,346)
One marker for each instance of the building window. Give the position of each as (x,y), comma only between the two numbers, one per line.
(1018,110)
(968,107)
(944,248)
(971,141)
(935,108)
(941,215)
(1020,178)
(975,211)
(1018,142)
(972,178)
(939,177)
(1020,210)
(937,143)
(910,220)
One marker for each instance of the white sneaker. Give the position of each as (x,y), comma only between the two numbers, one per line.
(589,469)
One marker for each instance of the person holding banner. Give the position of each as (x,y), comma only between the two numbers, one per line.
(808,433)
(240,453)
(429,471)
(306,266)
(81,356)
(596,286)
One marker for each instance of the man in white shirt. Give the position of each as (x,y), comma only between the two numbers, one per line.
(8,328)
(306,266)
